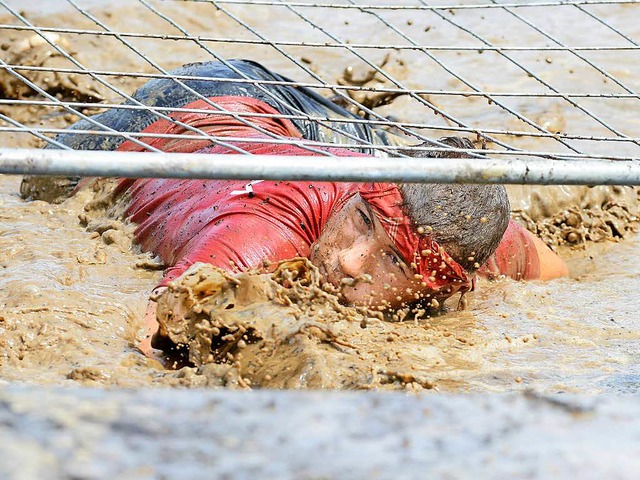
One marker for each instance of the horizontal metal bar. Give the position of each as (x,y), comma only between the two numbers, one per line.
(425,126)
(311,145)
(269,167)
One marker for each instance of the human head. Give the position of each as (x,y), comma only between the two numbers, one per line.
(466,222)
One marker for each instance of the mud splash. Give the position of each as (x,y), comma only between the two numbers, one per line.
(287,330)
(73,307)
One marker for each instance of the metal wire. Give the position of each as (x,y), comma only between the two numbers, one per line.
(288,117)
(594,113)
(326,86)
(339,45)
(482,6)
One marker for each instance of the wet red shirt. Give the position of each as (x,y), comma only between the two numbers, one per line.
(188,221)
(223,223)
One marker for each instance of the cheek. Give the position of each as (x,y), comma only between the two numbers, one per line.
(323,246)
(382,289)
(389,297)
(360,295)
(337,236)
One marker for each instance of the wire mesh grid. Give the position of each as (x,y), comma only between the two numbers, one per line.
(533,79)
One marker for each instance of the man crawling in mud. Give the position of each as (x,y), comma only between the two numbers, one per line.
(395,244)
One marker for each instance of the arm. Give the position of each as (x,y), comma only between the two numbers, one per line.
(150,329)
(551,264)
(523,256)
(151,326)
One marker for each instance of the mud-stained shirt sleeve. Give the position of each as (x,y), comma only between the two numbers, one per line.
(229,224)
(516,256)
(233,225)
(277,221)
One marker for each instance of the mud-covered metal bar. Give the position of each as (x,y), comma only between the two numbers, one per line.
(268,167)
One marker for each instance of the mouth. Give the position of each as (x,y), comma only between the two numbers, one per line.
(328,275)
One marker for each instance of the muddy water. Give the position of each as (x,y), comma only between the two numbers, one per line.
(73,293)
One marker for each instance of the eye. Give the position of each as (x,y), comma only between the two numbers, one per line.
(393,258)
(365,218)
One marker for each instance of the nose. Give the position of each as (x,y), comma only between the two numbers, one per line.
(352,260)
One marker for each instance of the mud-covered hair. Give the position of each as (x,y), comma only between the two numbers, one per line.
(467,220)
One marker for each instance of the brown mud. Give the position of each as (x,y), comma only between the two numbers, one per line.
(575,215)
(73,300)
(74,289)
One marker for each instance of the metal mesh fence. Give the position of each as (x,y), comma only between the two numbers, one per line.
(526,79)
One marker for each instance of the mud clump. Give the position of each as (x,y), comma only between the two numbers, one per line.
(576,227)
(49,189)
(50,55)
(370,79)
(285,330)
(576,215)
(45,53)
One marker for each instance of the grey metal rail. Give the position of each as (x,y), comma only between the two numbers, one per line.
(365,169)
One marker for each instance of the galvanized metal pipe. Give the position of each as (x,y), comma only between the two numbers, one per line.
(365,169)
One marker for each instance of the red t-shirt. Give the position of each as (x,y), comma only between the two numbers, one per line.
(188,221)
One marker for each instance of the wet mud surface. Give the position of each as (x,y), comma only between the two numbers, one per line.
(73,299)
(74,289)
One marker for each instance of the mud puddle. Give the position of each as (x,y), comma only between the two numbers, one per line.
(73,306)
(73,292)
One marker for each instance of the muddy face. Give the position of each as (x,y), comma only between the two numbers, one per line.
(354,253)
